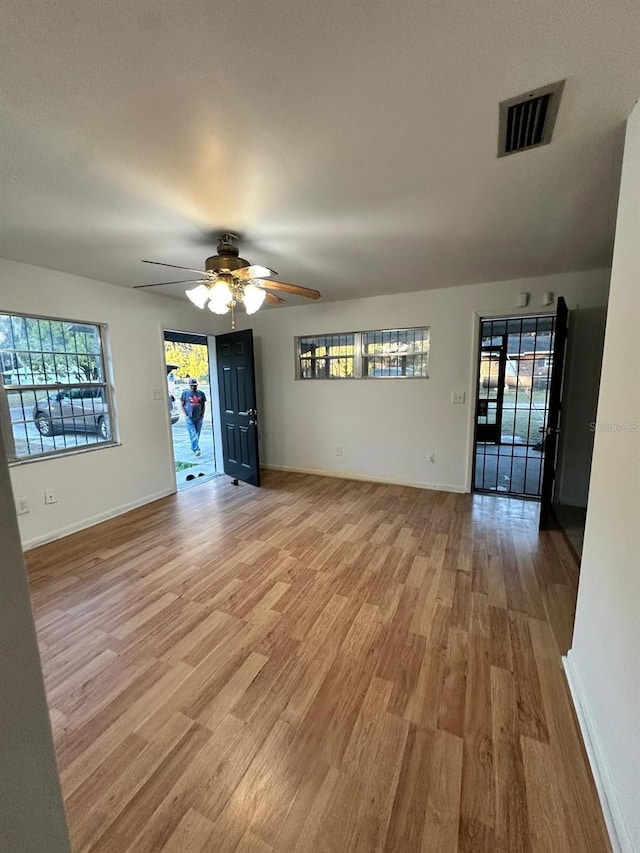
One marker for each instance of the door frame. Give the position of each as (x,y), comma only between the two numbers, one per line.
(214,404)
(214,407)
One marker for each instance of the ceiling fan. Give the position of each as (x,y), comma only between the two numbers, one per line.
(229,280)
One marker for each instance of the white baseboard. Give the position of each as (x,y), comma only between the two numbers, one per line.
(619,834)
(82,524)
(366,478)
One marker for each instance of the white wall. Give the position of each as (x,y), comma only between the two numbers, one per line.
(604,659)
(95,485)
(31,812)
(386,427)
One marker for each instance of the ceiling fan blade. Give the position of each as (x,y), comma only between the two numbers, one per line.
(273,298)
(292,288)
(254,271)
(162,283)
(175,267)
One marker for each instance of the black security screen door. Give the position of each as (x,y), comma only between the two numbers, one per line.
(550,435)
(238,414)
(514,378)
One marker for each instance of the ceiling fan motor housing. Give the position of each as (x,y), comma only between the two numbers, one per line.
(227,258)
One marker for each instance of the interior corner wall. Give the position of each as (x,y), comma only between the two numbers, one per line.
(31,812)
(94,485)
(387,427)
(603,661)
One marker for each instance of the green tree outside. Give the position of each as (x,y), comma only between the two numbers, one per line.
(52,351)
(192,359)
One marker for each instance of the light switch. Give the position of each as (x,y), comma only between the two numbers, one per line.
(457,396)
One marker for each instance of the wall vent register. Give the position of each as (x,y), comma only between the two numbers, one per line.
(527,121)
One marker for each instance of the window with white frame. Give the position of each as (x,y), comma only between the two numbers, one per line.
(326,357)
(54,391)
(383,354)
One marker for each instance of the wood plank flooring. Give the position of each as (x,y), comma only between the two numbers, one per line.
(316,665)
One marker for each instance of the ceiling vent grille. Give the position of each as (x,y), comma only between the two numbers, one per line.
(527,121)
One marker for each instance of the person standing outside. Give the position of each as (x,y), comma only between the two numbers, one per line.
(194,403)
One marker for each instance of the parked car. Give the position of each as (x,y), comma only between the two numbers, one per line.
(73,410)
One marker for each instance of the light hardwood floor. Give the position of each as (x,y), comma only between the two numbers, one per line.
(319,665)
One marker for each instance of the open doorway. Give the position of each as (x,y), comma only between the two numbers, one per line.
(194,452)
(515,360)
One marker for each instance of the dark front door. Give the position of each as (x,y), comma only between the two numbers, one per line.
(491,390)
(554,416)
(238,414)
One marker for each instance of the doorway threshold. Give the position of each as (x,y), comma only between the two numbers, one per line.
(188,479)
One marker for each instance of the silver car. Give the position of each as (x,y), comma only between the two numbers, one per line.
(73,410)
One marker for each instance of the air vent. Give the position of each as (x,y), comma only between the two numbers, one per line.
(527,121)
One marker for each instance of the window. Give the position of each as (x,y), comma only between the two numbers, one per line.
(387,354)
(327,357)
(54,393)
(401,352)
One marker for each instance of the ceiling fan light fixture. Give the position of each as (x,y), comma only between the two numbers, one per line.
(221,296)
(218,307)
(228,280)
(253,298)
(198,295)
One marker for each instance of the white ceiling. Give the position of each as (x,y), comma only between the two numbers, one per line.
(353,143)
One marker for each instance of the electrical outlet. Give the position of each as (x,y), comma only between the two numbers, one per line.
(339,450)
(50,496)
(431,456)
(157,393)
(22,506)
(457,396)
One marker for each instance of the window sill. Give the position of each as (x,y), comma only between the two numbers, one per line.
(62,454)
